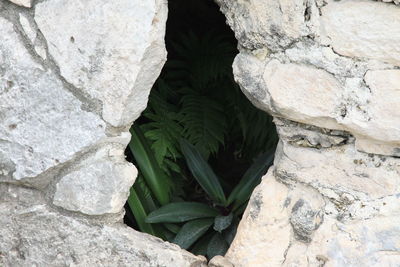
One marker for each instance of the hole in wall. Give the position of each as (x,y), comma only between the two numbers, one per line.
(200,146)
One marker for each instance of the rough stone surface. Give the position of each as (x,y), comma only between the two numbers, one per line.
(32,234)
(42,125)
(305,226)
(99,58)
(331,79)
(73,77)
(334,91)
(358,104)
(219,261)
(274,24)
(98,185)
(24,3)
(75,74)
(317,90)
(384,110)
(363,29)
(347,171)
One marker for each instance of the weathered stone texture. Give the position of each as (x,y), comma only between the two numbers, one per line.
(362,29)
(99,184)
(95,54)
(311,98)
(312,83)
(32,234)
(41,124)
(75,74)
(73,77)
(220,261)
(331,79)
(24,3)
(274,24)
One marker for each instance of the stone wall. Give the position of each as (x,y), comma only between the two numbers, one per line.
(329,72)
(74,75)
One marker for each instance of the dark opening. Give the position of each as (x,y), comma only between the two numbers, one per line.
(200,146)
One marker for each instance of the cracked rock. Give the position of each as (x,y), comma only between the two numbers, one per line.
(35,131)
(24,3)
(113,53)
(98,185)
(31,234)
(304,220)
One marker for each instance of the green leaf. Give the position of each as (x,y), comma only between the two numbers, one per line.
(139,212)
(222,222)
(144,194)
(240,209)
(241,193)
(200,247)
(229,234)
(181,212)
(204,122)
(169,236)
(217,246)
(141,203)
(203,173)
(155,178)
(172,227)
(192,231)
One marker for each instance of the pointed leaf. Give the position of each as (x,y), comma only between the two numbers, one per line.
(241,193)
(217,246)
(144,194)
(172,227)
(181,212)
(200,247)
(139,212)
(203,173)
(192,231)
(222,222)
(148,166)
(229,234)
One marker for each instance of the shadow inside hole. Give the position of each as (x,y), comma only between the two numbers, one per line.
(196,99)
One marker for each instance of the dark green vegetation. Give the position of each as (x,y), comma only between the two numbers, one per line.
(200,146)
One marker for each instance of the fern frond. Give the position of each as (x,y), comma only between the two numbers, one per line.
(163,129)
(204,123)
(203,60)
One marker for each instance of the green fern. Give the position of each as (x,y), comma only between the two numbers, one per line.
(204,123)
(202,60)
(163,129)
(196,98)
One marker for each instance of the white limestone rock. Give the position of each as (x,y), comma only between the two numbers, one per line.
(384,113)
(219,261)
(24,3)
(98,185)
(31,234)
(362,29)
(397,2)
(295,226)
(325,203)
(304,135)
(325,58)
(262,235)
(272,24)
(310,95)
(31,33)
(113,53)
(28,29)
(302,93)
(41,124)
(339,172)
